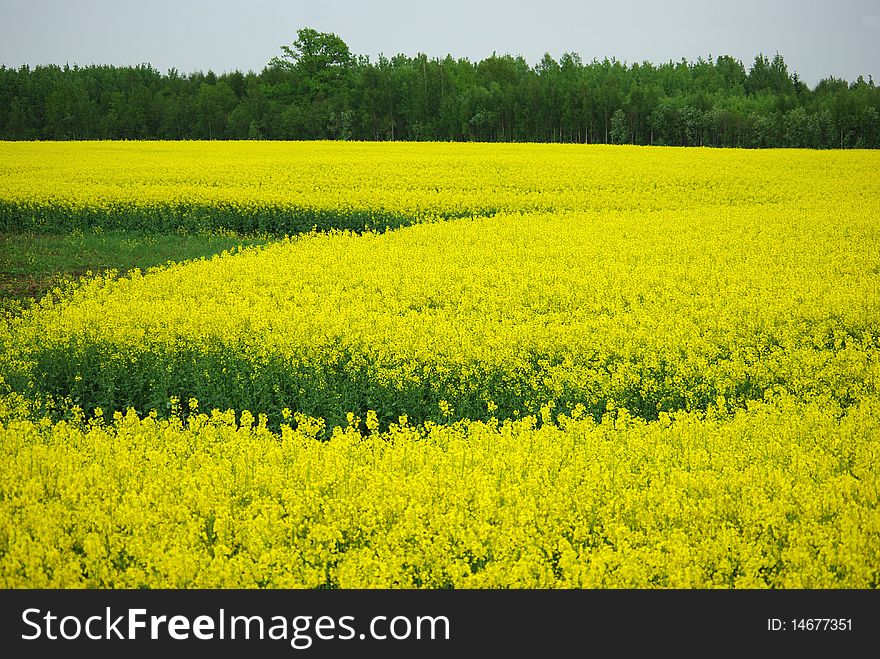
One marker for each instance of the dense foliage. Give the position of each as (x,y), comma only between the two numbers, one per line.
(318,90)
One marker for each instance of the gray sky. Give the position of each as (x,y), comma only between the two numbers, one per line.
(817,39)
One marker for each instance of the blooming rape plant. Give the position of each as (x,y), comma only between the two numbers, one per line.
(784,494)
(288,187)
(649,312)
(606,367)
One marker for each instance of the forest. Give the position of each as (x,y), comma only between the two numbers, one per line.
(317,89)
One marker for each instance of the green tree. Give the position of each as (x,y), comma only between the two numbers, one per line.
(70,113)
(319,58)
(214,104)
(619,128)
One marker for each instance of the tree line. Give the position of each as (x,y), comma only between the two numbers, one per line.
(317,89)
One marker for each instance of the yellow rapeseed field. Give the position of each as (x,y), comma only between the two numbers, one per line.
(605,366)
(269,185)
(781,495)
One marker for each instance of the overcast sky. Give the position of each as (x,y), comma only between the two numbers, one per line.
(817,39)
